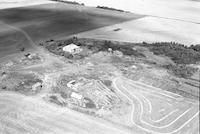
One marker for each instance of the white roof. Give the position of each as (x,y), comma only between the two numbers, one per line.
(77,96)
(70,47)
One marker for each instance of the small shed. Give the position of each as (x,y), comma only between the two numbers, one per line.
(72,48)
(71,83)
(76,96)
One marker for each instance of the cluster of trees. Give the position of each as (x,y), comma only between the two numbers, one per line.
(70,2)
(92,45)
(181,70)
(179,53)
(195,47)
(126,49)
(110,8)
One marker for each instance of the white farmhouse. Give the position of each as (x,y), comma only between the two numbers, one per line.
(72,48)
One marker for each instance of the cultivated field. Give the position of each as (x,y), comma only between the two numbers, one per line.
(55,20)
(21,3)
(167,20)
(187,10)
(12,39)
(158,111)
(148,29)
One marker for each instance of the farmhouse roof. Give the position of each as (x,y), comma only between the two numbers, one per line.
(77,96)
(70,47)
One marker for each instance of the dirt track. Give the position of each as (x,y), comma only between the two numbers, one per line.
(158,111)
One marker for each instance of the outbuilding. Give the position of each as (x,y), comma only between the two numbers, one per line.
(76,96)
(72,48)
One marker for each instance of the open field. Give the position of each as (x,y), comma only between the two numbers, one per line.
(149,29)
(30,115)
(158,111)
(187,10)
(12,39)
(167,20)
(21,3)
(55,20)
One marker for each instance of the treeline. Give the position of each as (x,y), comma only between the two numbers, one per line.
(110,8)
(70,2)
(98,45)
(195,47)
(180,54)
(181,70)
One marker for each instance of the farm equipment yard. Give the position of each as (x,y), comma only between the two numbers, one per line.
(54,79)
